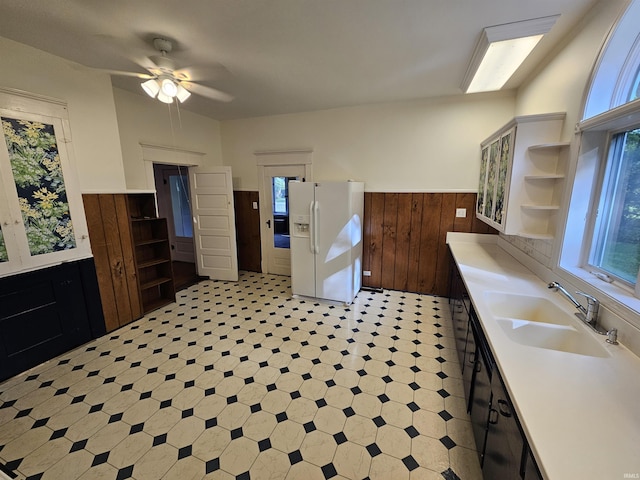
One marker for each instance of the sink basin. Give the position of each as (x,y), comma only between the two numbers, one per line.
(538,322)
(526,307)
(563,338)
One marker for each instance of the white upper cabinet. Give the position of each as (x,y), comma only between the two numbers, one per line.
(522,168)
(42,219)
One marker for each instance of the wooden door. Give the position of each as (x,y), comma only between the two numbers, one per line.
(110,236)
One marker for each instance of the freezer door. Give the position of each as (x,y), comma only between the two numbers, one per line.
(339,239)
(301,203)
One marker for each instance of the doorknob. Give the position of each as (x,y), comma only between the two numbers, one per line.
(269,223)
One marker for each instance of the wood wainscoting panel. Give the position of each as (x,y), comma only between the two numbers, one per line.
(405,238)
(247,231)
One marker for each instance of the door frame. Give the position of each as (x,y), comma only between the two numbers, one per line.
(164,202)
(272,158)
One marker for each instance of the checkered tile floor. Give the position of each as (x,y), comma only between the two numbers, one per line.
(240,381)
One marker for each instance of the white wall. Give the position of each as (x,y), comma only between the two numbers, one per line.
(89,97)
(142,119)
(560,84)
(426,145)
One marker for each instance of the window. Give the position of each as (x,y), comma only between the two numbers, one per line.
(279,195)
(615,248)
(600,251)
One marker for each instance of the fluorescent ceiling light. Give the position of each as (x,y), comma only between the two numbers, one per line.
(501,50)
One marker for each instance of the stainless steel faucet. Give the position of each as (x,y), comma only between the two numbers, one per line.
(588,315)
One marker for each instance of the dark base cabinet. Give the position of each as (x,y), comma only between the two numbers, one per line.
(480,401)
(502,447)
(47,312)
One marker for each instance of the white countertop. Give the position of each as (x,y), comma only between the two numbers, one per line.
(581,414)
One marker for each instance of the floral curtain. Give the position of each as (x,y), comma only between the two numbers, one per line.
(37,172)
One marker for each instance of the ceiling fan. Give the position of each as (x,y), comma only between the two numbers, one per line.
(166,83)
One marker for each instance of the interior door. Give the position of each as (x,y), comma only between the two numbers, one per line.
(214,228)
(174,204)
(275,217)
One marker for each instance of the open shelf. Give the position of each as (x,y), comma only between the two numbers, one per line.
(152,252)
(549,176)
(536,236)
(522,172)
(540,207)
(549,146)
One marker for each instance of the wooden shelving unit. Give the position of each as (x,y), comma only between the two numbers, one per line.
(152,252)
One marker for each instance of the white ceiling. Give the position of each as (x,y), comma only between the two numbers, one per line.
(283,56)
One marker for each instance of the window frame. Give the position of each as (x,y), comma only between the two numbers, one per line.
(591,231)
(593,137)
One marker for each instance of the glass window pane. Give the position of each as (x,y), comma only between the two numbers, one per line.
(4,257)
(635,87)
(616,248)
(37,172)
(180,205)
(280,207)
(279,195)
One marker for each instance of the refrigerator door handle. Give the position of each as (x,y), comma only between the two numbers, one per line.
(316,209)
(312,246)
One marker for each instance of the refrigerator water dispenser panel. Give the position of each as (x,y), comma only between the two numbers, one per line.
(301,225)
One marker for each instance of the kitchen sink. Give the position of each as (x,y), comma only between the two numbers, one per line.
(527,307)
(538,322)
(563,338)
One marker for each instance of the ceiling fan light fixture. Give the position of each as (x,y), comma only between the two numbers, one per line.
(168,87)
(182,93)
(164,98)
(151,87)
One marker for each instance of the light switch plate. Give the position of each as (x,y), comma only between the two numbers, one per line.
(255,205)
(461,212)
(366,273)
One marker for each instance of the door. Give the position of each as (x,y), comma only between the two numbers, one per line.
(504,445)
(214,222)
(172,184)
(274,214)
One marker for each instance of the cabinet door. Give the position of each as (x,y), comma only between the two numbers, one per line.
(9,250)
(531,471)
(480,403)
(504,446)
(469,366)
(502,185)
(459,316)
(492,169)
(44,211)
(482,184)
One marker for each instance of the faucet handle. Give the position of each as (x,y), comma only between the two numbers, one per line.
(591,315)
(591,300)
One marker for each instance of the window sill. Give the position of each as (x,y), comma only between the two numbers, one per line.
(620,300)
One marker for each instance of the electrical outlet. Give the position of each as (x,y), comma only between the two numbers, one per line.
(461,212)
(255,205)
(366,273)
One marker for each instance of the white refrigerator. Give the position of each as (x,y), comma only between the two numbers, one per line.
(326,239)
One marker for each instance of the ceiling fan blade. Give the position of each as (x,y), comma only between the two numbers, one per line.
(163,62)
(142,76)
(207,92)
(198,74)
